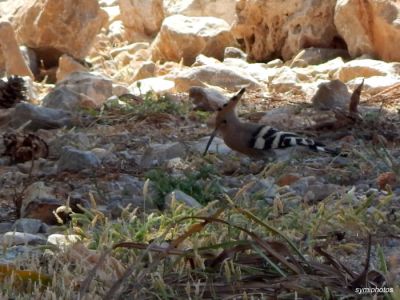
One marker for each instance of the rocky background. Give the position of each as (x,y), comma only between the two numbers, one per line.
(106,107)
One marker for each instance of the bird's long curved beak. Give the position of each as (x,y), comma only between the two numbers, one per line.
(213,134)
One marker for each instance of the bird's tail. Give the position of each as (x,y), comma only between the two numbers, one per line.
(267,137)
(316,146)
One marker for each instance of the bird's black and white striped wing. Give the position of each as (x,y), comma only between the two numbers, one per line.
(267,137)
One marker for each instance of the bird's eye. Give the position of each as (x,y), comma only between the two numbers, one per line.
(219,109)
(224,122)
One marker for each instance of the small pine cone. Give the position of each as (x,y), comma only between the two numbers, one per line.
(12,91)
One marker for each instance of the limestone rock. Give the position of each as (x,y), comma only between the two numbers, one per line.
(330,95)
(8,8)
(375,84)
(316,56)
(232,52)
(184,38)
(64,26)
(123,59)
(39,203)
(66,99)
(116,31)
(273,29)
(284,118)
(113,13)
(202,60)
(181,197)
(319,191)
(223,9)
(21,238)
(106,3)
(370,27)
(119,90)
(6,226)
(131,48)
(329,68)
(68,65)
(216,75)
(77,139)
(259,71)
(206,98)
(156,154)
(141,18)
(75,160)
(62,240)
(28,225)
(145,70)
(366,68)
(14,63)
(39,117)
(286,79)
(31,59)
(157,85)
(217,146)
(91,89)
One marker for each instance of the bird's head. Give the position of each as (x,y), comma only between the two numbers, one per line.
(225,115)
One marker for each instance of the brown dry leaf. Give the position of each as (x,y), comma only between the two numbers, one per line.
(195,228)
(22,277)
(24,147)
(355,99)
(387,179)
(287,179)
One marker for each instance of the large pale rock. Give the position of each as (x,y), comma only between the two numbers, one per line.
(141,18)
(68,65)
(156,85)
(223,9)
(14,63)
(8,8)
(259,71)
(156,154)
(145,70)
(288,80)
(217,146)
(21,238)
(66,99)
(370,27)
(113,13)
(116,31)
(272,28)
(206,99)
(214,75)
(184,38)
(90,90)
(375,84)
(66,26)
(366,68)
(330,95)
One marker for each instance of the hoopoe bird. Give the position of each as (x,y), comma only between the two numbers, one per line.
(255,139)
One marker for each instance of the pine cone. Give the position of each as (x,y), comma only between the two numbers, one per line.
(12,91)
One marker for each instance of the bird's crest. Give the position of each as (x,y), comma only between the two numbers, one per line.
(231,104)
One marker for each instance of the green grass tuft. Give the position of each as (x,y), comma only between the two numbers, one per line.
(199,184)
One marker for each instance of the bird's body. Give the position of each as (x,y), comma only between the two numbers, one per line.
(255,139)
